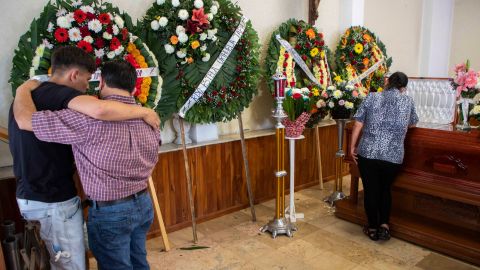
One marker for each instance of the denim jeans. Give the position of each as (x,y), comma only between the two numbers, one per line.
(117,233)
(61,228)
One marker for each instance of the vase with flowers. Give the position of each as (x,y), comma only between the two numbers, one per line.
(343,99)
(467,84)
(298,105)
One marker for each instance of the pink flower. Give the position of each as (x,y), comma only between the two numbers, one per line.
(341,102)
(460,79)
(355,93)
(460,68)
(460,88)
(471,79)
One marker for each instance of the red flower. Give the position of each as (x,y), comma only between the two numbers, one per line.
(297,96)
(104,18)
(322,43)
(114,44)
(85,46)
(90,16)
(321,35)
(214,93)
(292,84)
(109,29)
(307,45)
(124,34)
(61,35)
(200,17)
(84,30)
(79,16)
(98,61)
(219,104)
(352,42)
(285,64)
(298,47)
(99,43)
(286,55)
(193,27)
(304,57)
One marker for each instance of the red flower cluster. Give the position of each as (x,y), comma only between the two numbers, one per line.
(61,35)
(138,84)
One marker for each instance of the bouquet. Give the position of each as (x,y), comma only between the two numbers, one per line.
(343,99)
(466,81)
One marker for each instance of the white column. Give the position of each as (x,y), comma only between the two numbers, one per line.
(435,39)
(351,13)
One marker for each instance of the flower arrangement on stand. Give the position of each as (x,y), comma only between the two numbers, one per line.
(358,50)
(96,27)
(343,99)
(309,44)
(475,112)
(467,84)
(297,105)
(187,37)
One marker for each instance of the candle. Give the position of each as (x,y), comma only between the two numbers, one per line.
(280,82)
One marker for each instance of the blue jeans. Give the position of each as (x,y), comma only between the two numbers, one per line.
(61,228)
(117,233)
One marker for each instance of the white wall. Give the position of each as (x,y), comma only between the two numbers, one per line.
(466,34)
(397,23)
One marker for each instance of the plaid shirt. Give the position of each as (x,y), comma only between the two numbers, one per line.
(114,159)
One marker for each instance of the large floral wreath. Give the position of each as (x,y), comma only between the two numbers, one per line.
(99,29)
(311,47)
(187,37)
(358,50)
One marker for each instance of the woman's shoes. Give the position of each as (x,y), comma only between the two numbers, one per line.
(372,233)
(383,233)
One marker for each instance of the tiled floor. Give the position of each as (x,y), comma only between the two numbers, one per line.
(322,242)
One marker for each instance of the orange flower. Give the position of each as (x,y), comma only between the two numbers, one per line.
(131,47)
(147,80)
(143,65)
(142,98)
(190,60)
(195,44)
(347,33)
(135,52)
(49,71)
(140,59)
(367,37)
(310,33)
(365,61)
(145,89)
(313,110)
(174,40)
(344,42)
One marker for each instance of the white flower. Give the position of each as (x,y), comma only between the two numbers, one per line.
(63,22)
(475,110)
(182,38)
(99,53)
(215,3)
(478,85)
(198,4)
(214,10)
(95,25)
(111,55)
(331,88)
(47,44)
(163,21)
(87,9)
(214,38)
(115,30)
(70,17)
(203,36)
(77,3)
(74,34)
(348,105)
(203,48)
(36,61)
(50,27)
(206,58)
(31,72)
(210,16)
(169,49)
(350,87)
(61,12)
(119,50)
(154,24)
(305,91)
(337,94)
(331,104)
(88,39)
(181,54)
(160,2)
(40,50)
(180,29)
(321,103)
(183,14)
(119,21)
(175,3)
(211,33)
(107,36)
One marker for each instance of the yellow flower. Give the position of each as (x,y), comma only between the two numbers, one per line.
(337,78)
(195,44)
(358,48)
(315,92)
(314,52)
(142,98)
(147,80)
(322,54)
(380,89)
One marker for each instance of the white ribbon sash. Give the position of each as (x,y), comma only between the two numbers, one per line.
(141,73)
(298,59)
(367,72)
(217,65)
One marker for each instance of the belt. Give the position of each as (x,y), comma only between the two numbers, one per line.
(91,203)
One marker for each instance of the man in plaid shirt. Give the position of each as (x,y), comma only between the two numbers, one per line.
(114,160)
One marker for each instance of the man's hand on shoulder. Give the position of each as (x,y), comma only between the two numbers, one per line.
(29,85)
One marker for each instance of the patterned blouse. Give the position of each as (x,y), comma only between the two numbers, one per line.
(385,117)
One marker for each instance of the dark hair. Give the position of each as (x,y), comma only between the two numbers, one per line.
(70,56)
(397,80)
(119,74)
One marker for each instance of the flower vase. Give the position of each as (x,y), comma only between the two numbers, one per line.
(463,111)
(340,112)
(294,129)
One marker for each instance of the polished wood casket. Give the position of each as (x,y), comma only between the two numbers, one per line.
(436,196)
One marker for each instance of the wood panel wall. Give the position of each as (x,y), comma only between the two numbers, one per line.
(219,184)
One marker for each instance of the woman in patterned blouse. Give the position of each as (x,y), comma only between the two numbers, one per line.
(384,119)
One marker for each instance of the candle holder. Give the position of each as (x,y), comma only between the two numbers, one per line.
(279,224)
